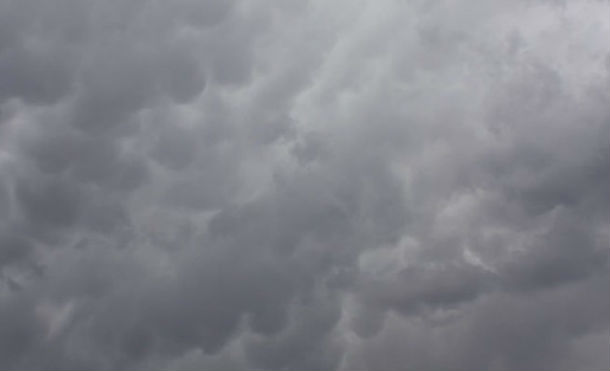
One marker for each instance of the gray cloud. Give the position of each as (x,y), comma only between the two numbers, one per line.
(304,185)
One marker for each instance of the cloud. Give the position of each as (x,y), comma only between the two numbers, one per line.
(304,185)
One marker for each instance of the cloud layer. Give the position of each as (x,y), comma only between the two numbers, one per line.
(290,185)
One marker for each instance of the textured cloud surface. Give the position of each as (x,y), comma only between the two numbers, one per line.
(304,185)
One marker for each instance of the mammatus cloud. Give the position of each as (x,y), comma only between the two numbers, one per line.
(288,185)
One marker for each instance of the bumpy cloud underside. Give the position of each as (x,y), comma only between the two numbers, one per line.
(304,185)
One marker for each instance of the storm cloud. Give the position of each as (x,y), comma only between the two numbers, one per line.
(304,185)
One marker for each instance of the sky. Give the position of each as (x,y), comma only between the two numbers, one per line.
(304,185)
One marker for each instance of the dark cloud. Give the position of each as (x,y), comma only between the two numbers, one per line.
(304,186)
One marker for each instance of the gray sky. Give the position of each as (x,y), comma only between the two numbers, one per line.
(341,185)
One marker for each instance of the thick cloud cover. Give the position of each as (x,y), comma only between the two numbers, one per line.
(304,185)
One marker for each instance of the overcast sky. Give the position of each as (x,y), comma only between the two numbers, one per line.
(350,185)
